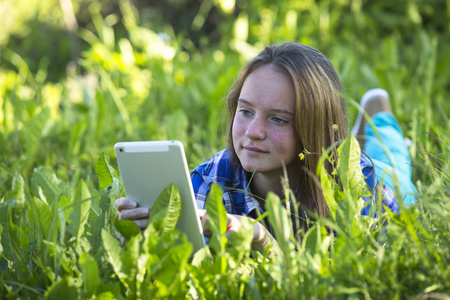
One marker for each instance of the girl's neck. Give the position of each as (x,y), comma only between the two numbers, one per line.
(263,183)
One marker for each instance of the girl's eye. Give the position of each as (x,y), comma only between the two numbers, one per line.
(245,112)
(279,121)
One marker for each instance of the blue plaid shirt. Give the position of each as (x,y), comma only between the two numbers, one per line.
(238,200)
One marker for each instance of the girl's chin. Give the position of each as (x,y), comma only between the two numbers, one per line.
(261,169)
(251,168)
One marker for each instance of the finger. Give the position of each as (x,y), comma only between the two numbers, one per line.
(134,213)
(124,203)
(142,224)
(203,220)
(229,222)
(206,231)
(203,216)
(233,223)
(258,233)
(201,212)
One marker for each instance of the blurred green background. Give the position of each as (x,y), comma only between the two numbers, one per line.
(78,76)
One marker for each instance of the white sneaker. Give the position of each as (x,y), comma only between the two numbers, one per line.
(372,102)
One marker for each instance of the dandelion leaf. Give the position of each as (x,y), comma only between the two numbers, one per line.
(127,228)
(90,274)
(349,168)
(103,171)
(166,210)
(81,204)
(217,214)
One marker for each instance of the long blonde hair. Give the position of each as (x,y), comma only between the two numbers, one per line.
(318,106)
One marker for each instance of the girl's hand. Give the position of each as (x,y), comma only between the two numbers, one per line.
(129,210)
(261,237)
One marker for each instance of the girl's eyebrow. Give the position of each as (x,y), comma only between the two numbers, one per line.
(278,110)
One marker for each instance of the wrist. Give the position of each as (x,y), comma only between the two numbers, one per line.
(260,237)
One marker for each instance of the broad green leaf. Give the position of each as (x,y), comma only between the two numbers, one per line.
(200,256)
(89,273)
(62,225)
(143,269)
(280,221)
(19,231)
(64,288)
(171,268)
(96,213)
(58,253)
(217,242)
(311,241)
(130,259)
(61,221)
(107,199)
(127,228)
(109,295)
(217,214)
(151,240)
(51,186)
(1,244)
(328,189)
(103,171)
(345,214)
(253,289)
(19,193)
(114,253)
(95,230)
(6,239)
(222,261)
(349,168)
(159,246)
(195,290)
(105,203)
(115,189)
(81,203)
(65,205)
(41,216)
(166,210)
(317,243)
(161,263)
(109,291)
(217,220)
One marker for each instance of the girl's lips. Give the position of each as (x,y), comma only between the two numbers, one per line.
(254,150)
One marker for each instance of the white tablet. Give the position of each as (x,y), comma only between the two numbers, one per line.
(147,168)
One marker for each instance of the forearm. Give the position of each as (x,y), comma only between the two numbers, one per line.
(262,238)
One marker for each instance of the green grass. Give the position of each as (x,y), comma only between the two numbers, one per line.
(59,233)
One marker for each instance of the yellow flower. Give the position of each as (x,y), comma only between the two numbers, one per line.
(301,156)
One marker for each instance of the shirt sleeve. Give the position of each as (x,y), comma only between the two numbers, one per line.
(201,189)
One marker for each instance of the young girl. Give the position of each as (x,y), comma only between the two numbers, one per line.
(284,101)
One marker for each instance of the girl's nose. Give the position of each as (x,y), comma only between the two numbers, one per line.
(256,130)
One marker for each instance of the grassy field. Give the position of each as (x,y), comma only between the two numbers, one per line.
(126,73)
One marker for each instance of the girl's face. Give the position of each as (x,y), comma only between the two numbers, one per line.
(263,127)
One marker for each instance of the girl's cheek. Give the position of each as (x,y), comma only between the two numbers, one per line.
(238,127)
